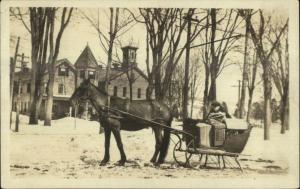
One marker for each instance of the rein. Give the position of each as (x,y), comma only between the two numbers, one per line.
(149,121)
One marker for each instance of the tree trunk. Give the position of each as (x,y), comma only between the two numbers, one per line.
(205,95)
(149,90)
(212,96)
(12,76)
(267,99)
(284,112)
(33,117)
(49,103)
(36,101)
(245,71)
(192,103)
(158,89)
(249,105)
(186,71)
(130,91)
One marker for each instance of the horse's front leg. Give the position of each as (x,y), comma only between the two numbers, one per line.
(107,132)
(117,135)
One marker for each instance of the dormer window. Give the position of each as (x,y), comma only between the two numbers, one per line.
(63,71)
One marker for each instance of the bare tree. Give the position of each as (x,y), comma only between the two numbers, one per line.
(187,66)
(36,27)
(280,75)
(174,94)
(245,77)
(251,83)
(41,28)
(118,25)
(53,54)
(259,41)
(165,27)
(214,51)
(195,72)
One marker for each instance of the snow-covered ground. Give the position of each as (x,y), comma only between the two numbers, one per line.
(68,151)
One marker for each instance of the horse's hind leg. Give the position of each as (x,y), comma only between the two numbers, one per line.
(120,146)
(158,141)
(107,132)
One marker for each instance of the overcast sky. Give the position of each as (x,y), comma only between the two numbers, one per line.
(80,32)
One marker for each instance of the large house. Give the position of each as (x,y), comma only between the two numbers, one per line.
(68,77)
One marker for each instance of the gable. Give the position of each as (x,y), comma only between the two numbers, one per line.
(86,59)
(65,62)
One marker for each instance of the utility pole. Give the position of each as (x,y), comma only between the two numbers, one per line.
(187,68)
(239,93)
(19,92)
(12,76)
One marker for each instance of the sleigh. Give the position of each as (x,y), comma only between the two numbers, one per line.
(216,145)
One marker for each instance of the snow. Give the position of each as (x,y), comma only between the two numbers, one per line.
(65,151)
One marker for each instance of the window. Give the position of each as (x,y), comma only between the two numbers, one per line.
(132,55)
(16,87)
(91,75)
(61,89)
(139,93)
(21,89)
(28,87)
(63,71)
(124,91)
(115,91)
(82,74)
(25,106)
(45,88)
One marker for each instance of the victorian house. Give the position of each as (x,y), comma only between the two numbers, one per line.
(126,81)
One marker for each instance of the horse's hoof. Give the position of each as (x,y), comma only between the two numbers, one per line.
(121,163)
(160,162)
(103,162)
(152,160)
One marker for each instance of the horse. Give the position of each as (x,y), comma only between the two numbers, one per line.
(147,111)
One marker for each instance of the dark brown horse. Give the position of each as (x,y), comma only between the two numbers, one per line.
(113,120)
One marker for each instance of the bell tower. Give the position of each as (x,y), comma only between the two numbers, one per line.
(129,56)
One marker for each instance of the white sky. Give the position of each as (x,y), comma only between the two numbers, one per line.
(80,32)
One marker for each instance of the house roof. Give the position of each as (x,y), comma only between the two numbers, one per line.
(86,59)
(116,72)
(66,61)
(129,47)
(61,61)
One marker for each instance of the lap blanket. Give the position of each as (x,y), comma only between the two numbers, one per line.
(218,132)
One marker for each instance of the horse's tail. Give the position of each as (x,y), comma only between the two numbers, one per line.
(174,112)
(165,143)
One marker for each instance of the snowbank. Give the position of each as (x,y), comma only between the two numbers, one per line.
(66,151)
(67,125)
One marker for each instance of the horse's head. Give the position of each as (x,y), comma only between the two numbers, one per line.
(82,93)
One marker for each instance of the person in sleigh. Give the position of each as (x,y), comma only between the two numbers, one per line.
(217,119)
